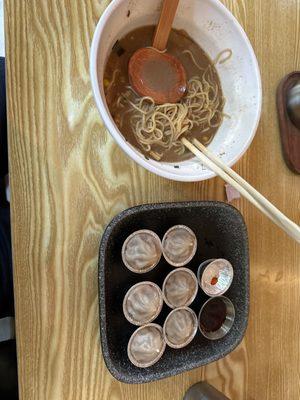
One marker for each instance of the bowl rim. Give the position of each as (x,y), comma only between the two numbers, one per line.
(137,156)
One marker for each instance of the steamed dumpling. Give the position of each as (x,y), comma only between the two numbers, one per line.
(141,251)
(146,345)
(180,326)
(142,303)
(180,288)
(179,245)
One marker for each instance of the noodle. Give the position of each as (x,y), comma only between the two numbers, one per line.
(113,79)
(158,128)
(219,56)
(193,59)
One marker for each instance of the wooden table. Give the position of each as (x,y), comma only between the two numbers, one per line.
(66,186)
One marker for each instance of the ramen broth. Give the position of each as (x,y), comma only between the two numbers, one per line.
(116,82)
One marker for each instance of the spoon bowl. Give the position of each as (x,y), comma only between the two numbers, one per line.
(158,75)
(155,73)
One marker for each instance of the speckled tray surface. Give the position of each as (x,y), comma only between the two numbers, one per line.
(221,233)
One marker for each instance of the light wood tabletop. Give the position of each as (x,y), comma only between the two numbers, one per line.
(69,178)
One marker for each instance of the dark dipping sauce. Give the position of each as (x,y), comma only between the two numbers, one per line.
(119,59)
(213,315)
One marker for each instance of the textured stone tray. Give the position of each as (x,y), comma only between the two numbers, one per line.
(221,233)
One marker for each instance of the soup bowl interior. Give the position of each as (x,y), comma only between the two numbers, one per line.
(214,28)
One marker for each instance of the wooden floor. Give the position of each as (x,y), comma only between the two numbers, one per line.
(66,186)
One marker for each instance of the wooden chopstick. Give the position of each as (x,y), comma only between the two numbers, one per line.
(206,161)
(257,199)
(257,195)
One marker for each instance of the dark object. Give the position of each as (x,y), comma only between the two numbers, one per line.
(216,223)
(3,135)
(204,391)
(3,201)
(213,315)
(293,104)
(290,133)
(211,326)
(3,123)
(8,370)
(8,357)
(6,278)
(117,48)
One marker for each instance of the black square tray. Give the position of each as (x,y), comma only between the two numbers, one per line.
(221,233)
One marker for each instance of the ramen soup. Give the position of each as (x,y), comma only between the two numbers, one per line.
(155,130)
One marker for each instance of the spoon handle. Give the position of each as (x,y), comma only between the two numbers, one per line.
(164,25)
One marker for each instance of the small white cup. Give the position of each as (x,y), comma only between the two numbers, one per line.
(215,276)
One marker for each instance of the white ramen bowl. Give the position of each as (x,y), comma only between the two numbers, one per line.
(214,28)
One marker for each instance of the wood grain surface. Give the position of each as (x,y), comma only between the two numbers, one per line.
(66,186)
